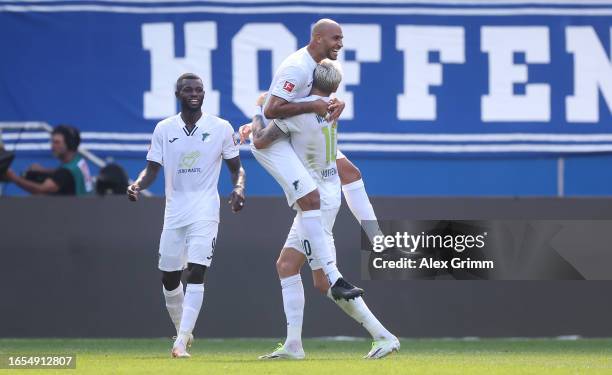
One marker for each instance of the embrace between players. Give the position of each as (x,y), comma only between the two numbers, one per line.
(293,136)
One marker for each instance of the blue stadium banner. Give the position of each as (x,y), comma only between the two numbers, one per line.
(439,76)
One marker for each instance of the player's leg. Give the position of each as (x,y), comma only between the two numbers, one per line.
(283,164)
(171,262)
(356,196)
(200,239)
(288,266)
(384,341)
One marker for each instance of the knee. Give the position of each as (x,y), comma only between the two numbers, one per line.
(349,173)
(310,201)
(171,280)
(286,268)
(196,273)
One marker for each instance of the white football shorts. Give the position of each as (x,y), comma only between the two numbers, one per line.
(297,240)
(280,160)
(340,155)
(194,243)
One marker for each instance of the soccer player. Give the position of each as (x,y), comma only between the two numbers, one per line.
(293,80)
(190,146)
(314,140)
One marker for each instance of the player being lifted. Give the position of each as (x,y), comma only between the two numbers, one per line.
(314,140)
(190,146)
(293,80)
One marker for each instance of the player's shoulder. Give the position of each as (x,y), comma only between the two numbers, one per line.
(167,122)
(216,121)
(299,61)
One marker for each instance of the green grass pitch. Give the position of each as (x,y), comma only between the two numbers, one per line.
(239,356)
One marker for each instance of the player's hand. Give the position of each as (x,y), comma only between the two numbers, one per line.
(261,99)
(133,191)
(236,200)
(320,107)
(244,131)
(335,108)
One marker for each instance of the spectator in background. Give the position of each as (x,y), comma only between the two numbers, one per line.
(72,177)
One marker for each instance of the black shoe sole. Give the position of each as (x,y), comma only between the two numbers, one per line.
(357,293)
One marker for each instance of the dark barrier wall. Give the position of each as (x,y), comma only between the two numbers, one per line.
(87,268)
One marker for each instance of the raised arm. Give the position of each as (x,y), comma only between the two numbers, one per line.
(264,136)
(280,108)
(238,180)
(144,180)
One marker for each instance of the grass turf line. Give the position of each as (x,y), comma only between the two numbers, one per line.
(236,356)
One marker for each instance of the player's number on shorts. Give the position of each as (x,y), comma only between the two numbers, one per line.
(307,248)
(330,134)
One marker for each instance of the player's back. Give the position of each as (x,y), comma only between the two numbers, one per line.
(314,140)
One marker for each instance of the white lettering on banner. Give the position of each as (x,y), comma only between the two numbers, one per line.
(416,103)
(254,37)
(502,43)
(592,73)
(365,40)
(200,40)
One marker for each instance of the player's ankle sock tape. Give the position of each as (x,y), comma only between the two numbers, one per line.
(175,292)
(353,185)
(288,281)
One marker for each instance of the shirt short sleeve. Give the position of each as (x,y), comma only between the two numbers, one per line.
(230,144)
(156,149)
(64,181)
(290,81)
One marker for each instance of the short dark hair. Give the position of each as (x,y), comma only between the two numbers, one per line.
(179,81)
(72,136)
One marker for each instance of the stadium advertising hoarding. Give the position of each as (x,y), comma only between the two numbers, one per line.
(437,77)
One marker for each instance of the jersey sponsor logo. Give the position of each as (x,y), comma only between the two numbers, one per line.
(295,184)
(172,140)
(288,86)
(329,172)
(205,137)
(188,160)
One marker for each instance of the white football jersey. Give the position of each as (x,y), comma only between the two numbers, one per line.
(192,163)
(314,140)
(293,78)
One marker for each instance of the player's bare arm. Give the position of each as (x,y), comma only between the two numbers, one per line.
(144,180)
(265,136)
(238,176)
(47,187)
(280,108)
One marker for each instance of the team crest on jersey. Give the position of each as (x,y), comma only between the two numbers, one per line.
(288,86)
(205,137)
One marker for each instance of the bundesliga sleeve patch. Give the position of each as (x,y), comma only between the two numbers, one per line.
(288,86)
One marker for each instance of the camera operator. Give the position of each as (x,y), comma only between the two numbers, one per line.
(71,178)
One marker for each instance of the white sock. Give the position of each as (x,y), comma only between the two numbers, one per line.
(358,310)
(359,203)
(313,229)
(174,304)
(293,303)
(194,295)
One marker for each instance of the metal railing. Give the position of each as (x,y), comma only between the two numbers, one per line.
(39,125)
